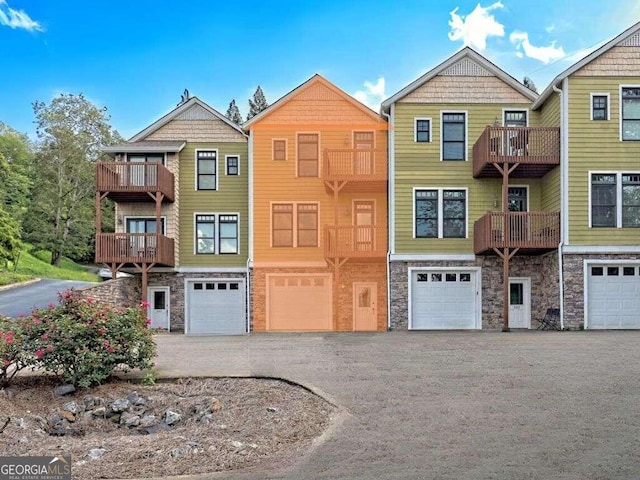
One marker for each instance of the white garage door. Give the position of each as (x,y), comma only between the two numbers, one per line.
(443,300)
(216,307)
(299,303)
(613,296)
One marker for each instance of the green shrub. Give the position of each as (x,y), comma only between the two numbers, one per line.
(83,341)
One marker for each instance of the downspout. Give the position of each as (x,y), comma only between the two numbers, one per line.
(390,153)
(250,229)
(562,184)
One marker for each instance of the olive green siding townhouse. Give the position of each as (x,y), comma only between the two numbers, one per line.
(473,200)
(597,102)
(181,193)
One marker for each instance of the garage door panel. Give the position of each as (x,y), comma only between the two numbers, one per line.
(216,308)
(613,297)
(443,300)
(299,303)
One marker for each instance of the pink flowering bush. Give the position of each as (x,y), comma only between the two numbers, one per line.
(83,341)
(13,356)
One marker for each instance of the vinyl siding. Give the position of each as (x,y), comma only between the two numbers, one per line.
(596,146)
(231,197)
(550,184)
(418,165)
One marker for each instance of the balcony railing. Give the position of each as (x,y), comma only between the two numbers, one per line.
(132,181)
(535,231)
(134,248)
(537,149)
(355,165)
(355,241)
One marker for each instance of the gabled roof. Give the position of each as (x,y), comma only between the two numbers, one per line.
(581,63)
(317,78)
(177,112)
(466,52)
(147,146)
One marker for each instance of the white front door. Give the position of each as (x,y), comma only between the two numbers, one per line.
(159,307)
(519,303)
(365,313)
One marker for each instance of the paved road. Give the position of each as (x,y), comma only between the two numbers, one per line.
(535,405)
(21,300)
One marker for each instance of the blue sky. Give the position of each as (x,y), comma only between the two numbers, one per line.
(137,57)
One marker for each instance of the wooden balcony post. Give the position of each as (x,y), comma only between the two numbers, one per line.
(506,239)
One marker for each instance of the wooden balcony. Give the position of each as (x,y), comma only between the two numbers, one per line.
(130,248)
(535,149)
(133,182)
(357,169)
(362,242)
(532,232)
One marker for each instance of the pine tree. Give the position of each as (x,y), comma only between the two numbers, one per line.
(233,113)
(529,84)
(258,104)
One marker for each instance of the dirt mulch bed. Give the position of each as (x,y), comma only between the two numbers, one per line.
(248,421)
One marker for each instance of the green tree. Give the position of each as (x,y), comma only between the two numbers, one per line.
(233,113)
(16,167)
(9,238)
(258,104)
(61,216)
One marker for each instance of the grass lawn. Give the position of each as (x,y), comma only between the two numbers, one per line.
(36,265)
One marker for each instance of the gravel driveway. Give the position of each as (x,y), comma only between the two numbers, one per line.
(484,405)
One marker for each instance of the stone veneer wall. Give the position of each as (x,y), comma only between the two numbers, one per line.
(573,266)
(542,269)
(127,291)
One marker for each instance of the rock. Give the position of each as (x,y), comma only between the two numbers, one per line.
(141,402)
(171,417)
(55,419)
(96,453)
(194,447)
(62,430)
(176,452)
(148,420)
(154,429)
(253,445)
(138,410)
(18,422)
(7,393)
(91,402)
(115,418)
(63,390)
(133,397)
(71,407)
(120,405)
(87,416)
(221,427)
(69,417)
(40,421)
(215,405)
(237,444)
(243,452)
(129,419)
(206,419)
(79,463)
(272,409)
(99,411)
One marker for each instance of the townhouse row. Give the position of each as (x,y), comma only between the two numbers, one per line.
(468,202)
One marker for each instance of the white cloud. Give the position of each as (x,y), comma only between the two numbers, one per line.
(474,29)
(544,54)
(373,94)
(17,18)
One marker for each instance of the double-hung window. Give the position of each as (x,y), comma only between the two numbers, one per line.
(233,164)
(599,106)
(615,200)
(308,154)
(279,149)
(206,170)
(454,136)
(422,130)
(630,121)
(441,213)
(216,234)
(294,224)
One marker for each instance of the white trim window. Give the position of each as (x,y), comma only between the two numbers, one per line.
(453,141)
(294,224)
(232,164)
(422,130)
(614,200)
(599,106)
(216,233)
(440,213)
(206,170)
(630,113)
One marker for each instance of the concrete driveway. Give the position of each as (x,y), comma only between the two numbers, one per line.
(534,405)
(21,300)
